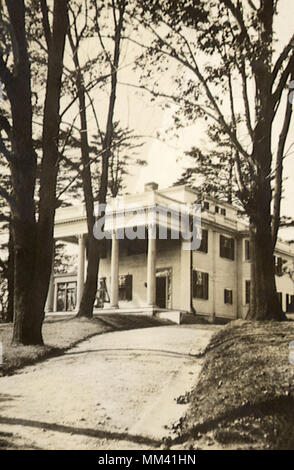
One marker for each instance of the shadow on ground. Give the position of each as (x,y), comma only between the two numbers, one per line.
(96,433)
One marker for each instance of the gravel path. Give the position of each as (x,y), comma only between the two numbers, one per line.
(113,391)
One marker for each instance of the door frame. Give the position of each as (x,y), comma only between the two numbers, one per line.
(167,273)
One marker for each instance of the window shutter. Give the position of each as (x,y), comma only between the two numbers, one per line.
(247,250)
(129,287)
(205,285)
(280,266)
(247,296)
(194,284)
(232,250)
(221,245)
(204,241)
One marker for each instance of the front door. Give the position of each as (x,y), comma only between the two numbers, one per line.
(161,291)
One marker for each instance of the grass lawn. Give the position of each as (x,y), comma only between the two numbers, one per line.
(244,398)
(62,333)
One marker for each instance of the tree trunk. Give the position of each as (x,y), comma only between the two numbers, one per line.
(49,167)
(264,302)
(24,246)
(10,277)
(33,241)
(94,246)
(90,287)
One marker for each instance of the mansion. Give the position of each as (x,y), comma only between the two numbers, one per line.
(151,275)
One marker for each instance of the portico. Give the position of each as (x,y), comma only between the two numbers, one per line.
(150,269)
(141,269)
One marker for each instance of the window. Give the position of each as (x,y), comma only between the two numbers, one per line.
(227,247)
(204,241)
(289,303)
(247,250)
(220,210)
(200,285)
(66,296)
(247,292)
(228,296)
(102,295)
(206,206)
(125,287)
(279,265)
(280,297)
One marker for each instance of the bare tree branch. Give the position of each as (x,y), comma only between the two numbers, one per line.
(279,165)
(246,100)
(283,56)
(276,97)
(46,24)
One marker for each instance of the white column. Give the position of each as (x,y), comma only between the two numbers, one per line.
(114,273)
(151,266)
(81,270)
(49,307)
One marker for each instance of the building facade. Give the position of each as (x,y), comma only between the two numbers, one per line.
(151,270)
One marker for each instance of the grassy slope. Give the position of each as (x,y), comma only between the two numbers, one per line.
(61,333)
(245,394)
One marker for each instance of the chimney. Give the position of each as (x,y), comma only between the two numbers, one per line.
(150,186)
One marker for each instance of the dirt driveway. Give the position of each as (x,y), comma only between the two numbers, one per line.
(114,391)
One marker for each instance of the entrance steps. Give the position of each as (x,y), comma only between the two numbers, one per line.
(172,315)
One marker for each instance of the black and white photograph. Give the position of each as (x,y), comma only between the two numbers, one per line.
(146,229)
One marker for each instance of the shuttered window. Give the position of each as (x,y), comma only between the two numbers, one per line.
(204,241)
(228,296)
(200,285)
(227,247)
